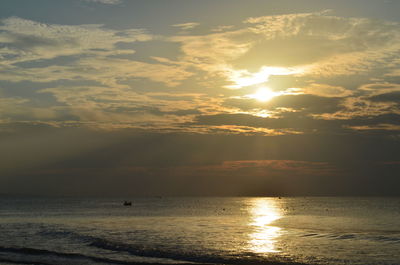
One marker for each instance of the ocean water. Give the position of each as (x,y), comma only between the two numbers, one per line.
(293,230)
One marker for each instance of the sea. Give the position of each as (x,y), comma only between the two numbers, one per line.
(200,230)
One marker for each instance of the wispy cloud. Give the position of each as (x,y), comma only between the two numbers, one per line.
(26,40)
(186,26)
(106,2)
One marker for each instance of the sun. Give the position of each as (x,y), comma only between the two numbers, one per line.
(263,94)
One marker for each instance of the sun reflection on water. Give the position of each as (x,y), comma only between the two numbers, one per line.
(264,211)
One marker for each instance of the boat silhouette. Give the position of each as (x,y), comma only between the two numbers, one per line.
(127,203)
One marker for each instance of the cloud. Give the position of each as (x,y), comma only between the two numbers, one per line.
(325,90)
(186,26)
(379,88)
(305,103)
(356,107)
(106,2)
(367,33)
(377,127)
(36,53)
(323,67)
(322,55)
(212,51)
(327,45)
(333,45)
(26,40)
(266,167)
(80,103)
(288,124)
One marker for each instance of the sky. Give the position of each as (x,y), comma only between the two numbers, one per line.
(199,97)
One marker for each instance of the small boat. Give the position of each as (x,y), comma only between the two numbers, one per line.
(126,203)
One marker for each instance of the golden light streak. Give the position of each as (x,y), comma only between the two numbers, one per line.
(264,212)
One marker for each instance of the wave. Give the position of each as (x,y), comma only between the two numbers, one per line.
(175,255)
(137,253)
(57,233)
(25,257)
(10,261)
(381,238)
(187,255)
(48,253)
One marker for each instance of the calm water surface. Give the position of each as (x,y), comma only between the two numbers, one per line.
(313,230)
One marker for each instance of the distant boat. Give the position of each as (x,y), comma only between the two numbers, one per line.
(126,203)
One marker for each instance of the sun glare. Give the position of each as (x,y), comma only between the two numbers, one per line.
(263,239)
(263,94)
